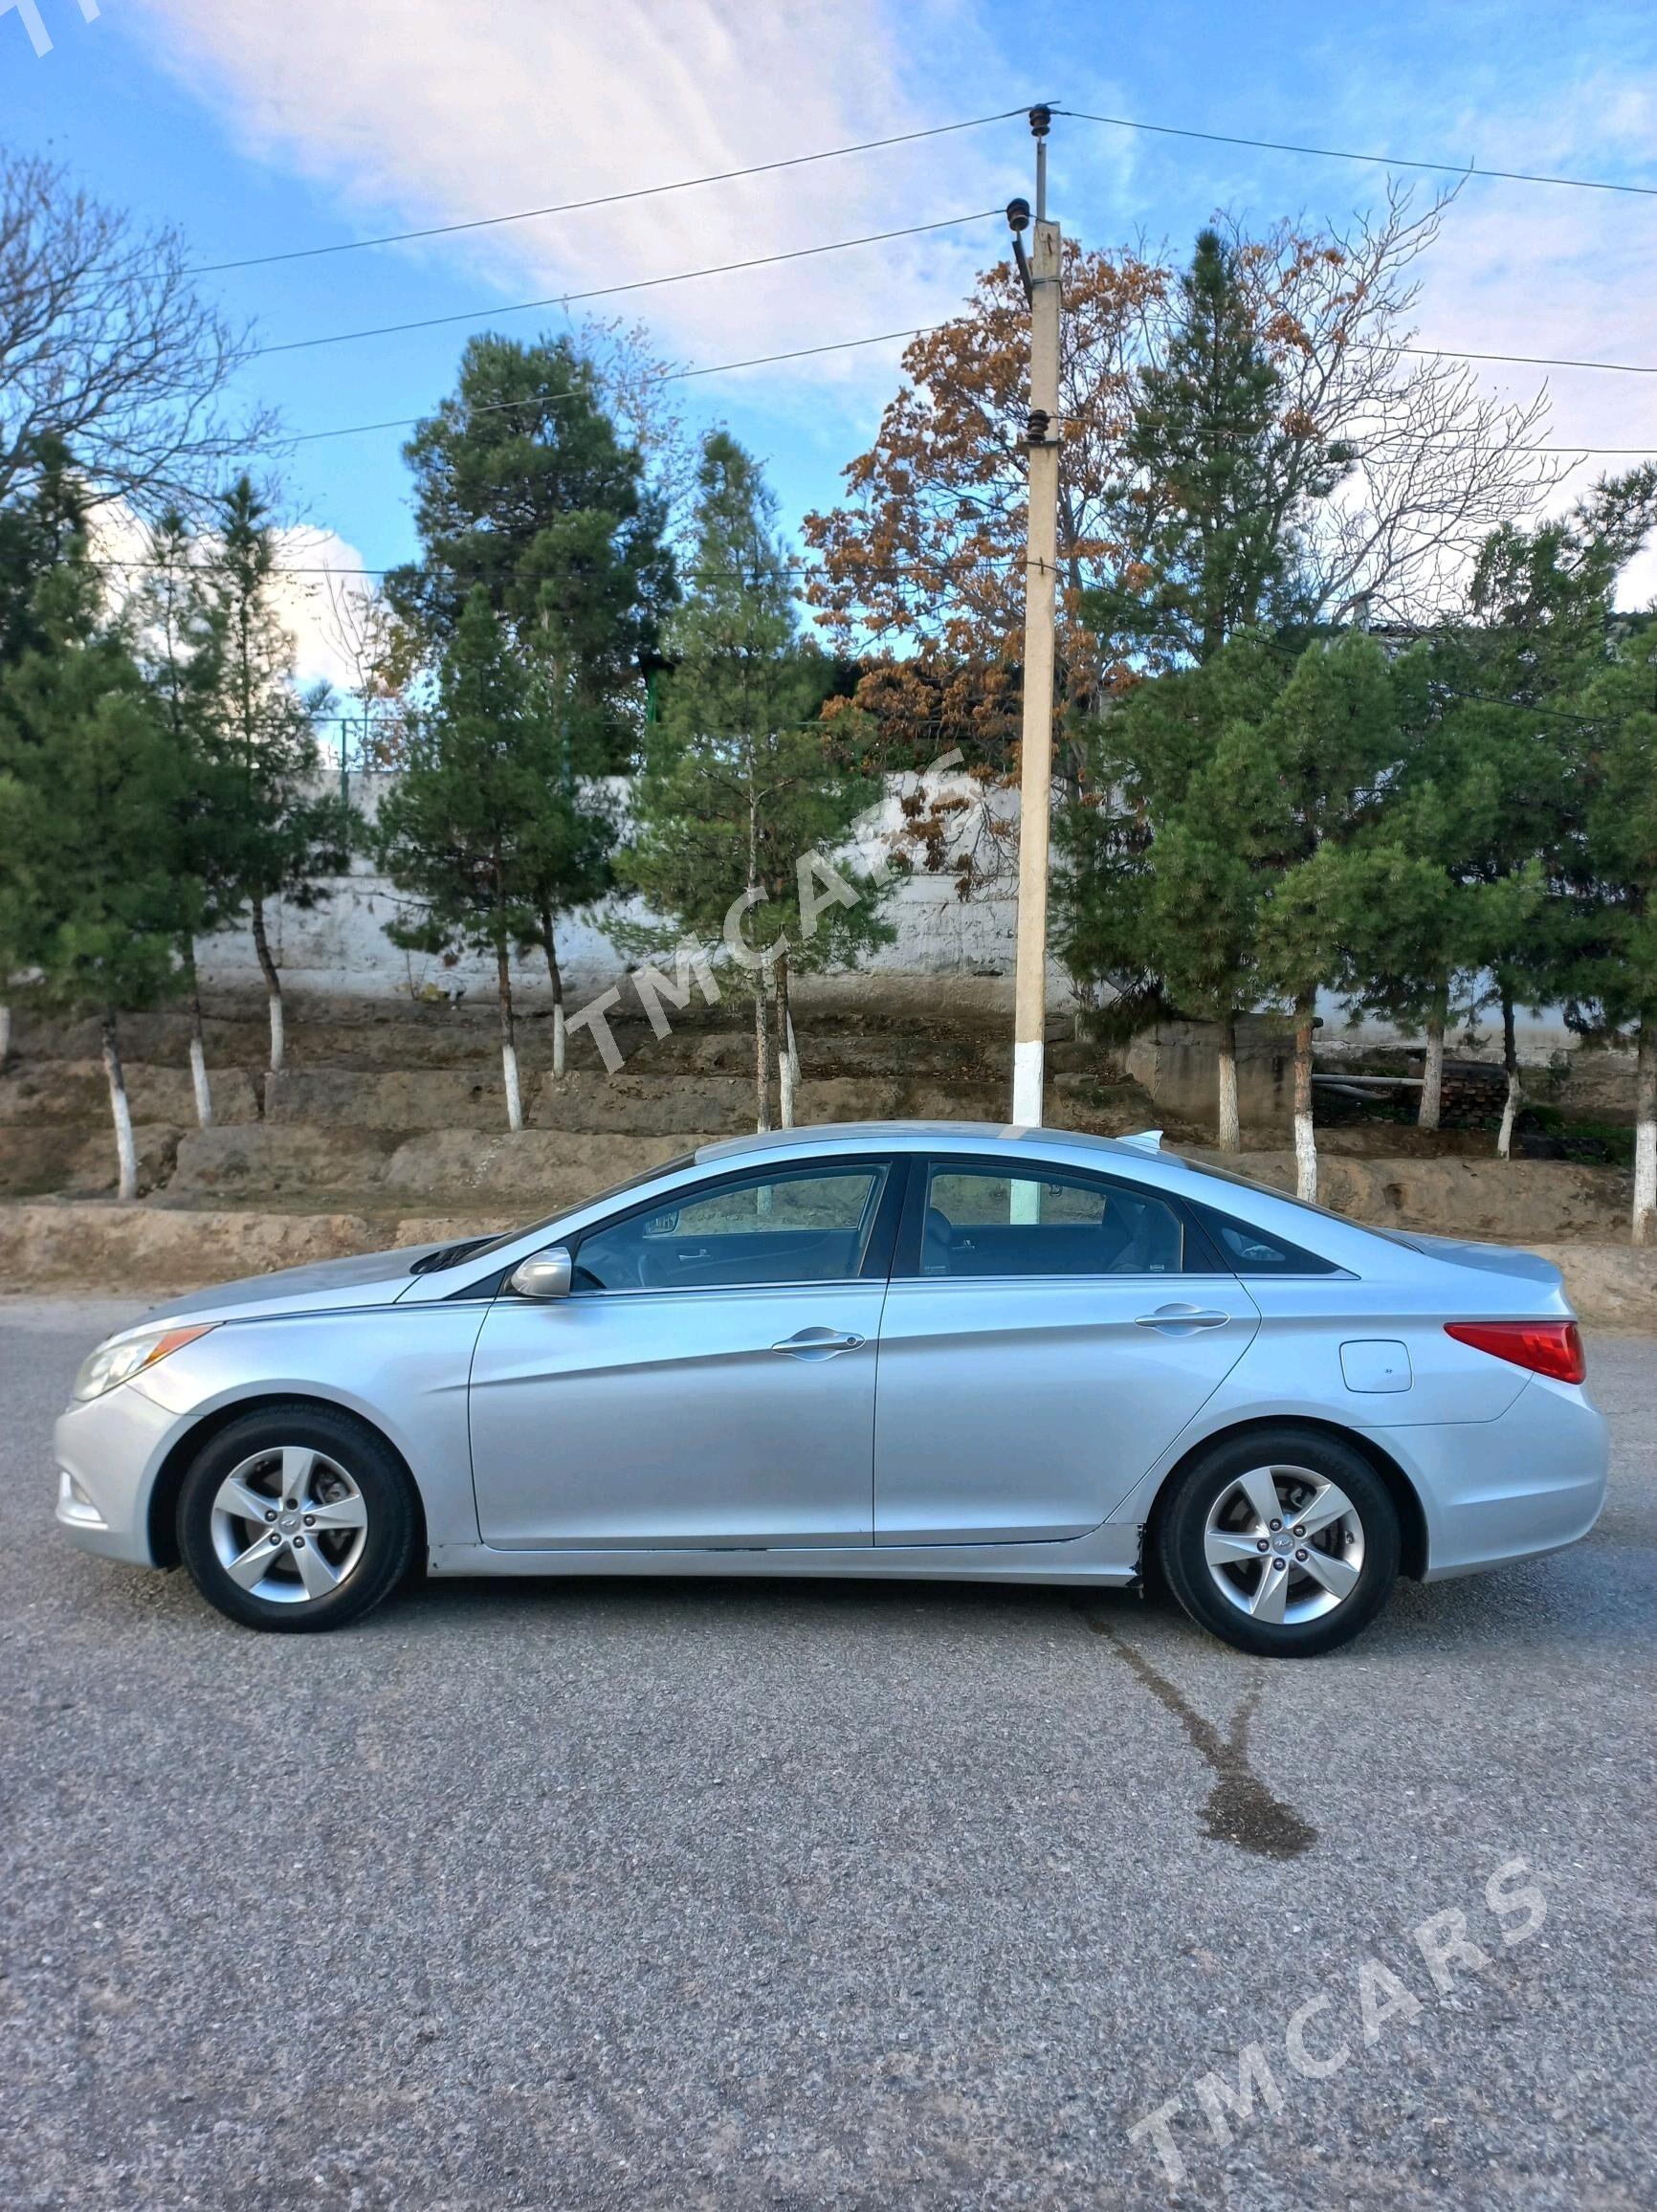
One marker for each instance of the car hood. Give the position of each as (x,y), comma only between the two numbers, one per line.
(366,1279)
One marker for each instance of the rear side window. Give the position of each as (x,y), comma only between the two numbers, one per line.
(1256,1252)
(979,1221)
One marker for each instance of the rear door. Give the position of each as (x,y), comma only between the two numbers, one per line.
(1046,1335)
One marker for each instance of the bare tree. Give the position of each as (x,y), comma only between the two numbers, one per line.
(381,658)
(1437,464)
(107,346)
(639,388)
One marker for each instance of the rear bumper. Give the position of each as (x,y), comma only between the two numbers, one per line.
(1493,1492)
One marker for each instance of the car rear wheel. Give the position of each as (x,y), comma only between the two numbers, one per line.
(1280,1542)
(295,1518)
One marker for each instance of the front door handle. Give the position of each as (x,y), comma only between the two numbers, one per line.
(818,1343)
(1181,1320)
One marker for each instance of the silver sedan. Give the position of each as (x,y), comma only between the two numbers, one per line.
(894,1349)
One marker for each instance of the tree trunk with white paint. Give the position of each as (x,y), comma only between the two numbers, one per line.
(559,1032)
(1230,1122)
(508,1040)
(787,1065)
(762,981)
(273,984)
(121,1112)
(198,1067)
(1305,1138)
(1644,1227)
(1431,1107)
(1514,1098)
(5,1038)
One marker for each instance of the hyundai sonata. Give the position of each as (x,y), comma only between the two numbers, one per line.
(893,1349)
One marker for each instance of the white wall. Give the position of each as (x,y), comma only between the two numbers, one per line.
(341,947)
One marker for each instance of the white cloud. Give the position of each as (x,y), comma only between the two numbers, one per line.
(417,111)
(318,596)
(1539,270)
(318,591)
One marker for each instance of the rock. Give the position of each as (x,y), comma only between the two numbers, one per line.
(388,1098)
(1611,1286)
(140,1249)
(644,1105)
(539,1169)
(79,1162)
(1511,1201)
(46,1092)
(273,1161)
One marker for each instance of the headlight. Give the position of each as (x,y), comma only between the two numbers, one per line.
(129,1356)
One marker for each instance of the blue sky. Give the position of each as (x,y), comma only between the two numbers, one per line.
(264,125)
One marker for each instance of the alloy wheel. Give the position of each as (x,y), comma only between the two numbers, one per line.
(289,1524)
(1284,1544)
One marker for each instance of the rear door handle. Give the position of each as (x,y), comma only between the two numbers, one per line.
(1181,1320)
(818,1343)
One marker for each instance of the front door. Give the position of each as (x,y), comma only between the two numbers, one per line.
(1045,1337)
(710,1380)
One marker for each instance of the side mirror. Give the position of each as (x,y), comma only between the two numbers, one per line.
(548,1275)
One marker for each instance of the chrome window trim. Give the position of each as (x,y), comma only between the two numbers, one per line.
(727,1290)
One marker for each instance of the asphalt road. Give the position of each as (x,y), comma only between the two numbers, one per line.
(799,1895)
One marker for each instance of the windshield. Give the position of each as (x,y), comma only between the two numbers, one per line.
(479,1248)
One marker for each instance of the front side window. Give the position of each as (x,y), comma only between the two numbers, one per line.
(786,1226)
(980,1221)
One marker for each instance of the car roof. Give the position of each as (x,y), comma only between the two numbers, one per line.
(922,1136)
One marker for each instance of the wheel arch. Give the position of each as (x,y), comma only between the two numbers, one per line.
(1406,1499)
(163,1496)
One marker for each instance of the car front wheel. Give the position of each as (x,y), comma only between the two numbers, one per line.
(1280,1542)
(295,1518)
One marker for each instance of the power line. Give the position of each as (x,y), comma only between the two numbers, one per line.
(1468,169)
(566,299)
(771,568)
(1535,360)
(926,329)
(600,199)
(667,376)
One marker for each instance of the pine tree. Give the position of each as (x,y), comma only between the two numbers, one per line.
(1321,773)
(276,834)
(1162,892)
(1540,608)
(39,527)
(525,490)
(1610,884)
(464,833)
(743,797)
(182,646)
(1225,473)
(90,889)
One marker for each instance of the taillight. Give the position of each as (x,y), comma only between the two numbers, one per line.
(1552,1348)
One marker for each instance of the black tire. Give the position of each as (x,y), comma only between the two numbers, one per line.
(369,1562)
(1179,1544)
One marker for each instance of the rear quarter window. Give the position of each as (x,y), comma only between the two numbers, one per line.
(1256,1252)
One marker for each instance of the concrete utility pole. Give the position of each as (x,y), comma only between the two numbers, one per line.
(1041,277)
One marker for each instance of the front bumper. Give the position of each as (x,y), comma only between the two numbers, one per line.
(109,1453)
